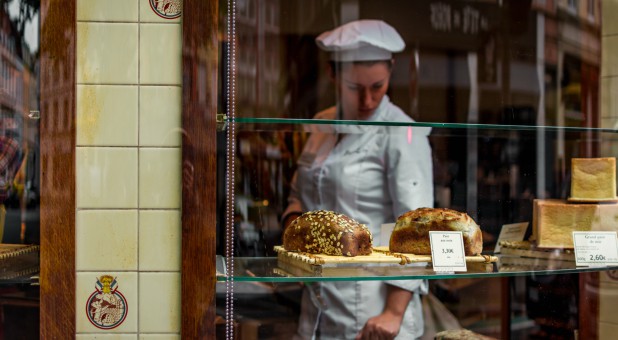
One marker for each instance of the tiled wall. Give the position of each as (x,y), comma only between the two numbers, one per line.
(128,165)
(608,293)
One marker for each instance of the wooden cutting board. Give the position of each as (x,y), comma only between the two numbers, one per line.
(8,251)
(18,260)
(528,249)
(318,263)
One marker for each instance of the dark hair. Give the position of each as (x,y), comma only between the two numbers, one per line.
(335,66)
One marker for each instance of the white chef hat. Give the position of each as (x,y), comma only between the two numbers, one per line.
(361,40)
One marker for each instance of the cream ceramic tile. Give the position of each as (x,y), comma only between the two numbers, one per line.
(106,240)
(148,14)
(609,102)
(159,296)
(107,115)
(609,123)
(605,100)
(159,337)
(160,116)
(607,330)
(609,56)
(604,278)
(608,302)
(106,336)
(609,10)
(107,53)
(160,54)
(159,178)
(126,286)
(159,240)
(107,10)
(106,177)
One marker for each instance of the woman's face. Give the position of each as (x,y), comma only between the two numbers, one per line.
(361,87)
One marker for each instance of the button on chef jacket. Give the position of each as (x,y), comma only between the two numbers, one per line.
(373,174)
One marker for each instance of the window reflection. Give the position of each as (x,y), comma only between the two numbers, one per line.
(19,96)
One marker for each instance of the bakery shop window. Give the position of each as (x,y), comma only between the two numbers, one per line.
(481,77)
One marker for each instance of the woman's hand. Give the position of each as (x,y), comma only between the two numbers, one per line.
(383,327)
(386,325)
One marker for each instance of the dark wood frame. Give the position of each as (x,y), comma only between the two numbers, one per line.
(57,80)
(199,184)
(589,290)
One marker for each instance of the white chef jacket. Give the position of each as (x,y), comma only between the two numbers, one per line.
(374,174)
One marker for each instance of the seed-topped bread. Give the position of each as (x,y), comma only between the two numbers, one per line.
(411,232)
(327,232)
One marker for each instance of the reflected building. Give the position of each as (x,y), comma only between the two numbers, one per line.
(18,66)
(19,84)
(259,57)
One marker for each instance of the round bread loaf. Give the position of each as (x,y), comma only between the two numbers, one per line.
(461,334)
(411,232)
(327,232)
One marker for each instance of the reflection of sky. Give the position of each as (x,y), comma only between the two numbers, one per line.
(31,30)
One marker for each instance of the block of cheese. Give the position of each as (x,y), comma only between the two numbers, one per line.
(554,221)
(593,179)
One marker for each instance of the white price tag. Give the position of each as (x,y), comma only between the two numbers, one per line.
(511,232)
(595,248)
(447,251)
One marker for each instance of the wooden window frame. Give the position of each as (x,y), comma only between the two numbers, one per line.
(57,277)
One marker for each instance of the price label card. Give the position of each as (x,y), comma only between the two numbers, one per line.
(511,232)
(447,251)
(595,248)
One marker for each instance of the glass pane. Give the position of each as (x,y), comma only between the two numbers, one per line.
(492,173)
(481,112)
(19,166)
(269,269)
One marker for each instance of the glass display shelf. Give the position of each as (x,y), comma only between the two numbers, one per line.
(10,277)
(269,269)
(303,124)
(19,264)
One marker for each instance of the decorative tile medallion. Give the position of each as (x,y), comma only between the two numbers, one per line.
(168,9)
(106,307)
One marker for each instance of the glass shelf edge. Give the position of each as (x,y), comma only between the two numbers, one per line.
(294,121)
(421,276)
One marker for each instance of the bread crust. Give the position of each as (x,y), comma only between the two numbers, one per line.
(461,334)
(411,232)
(327,232)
